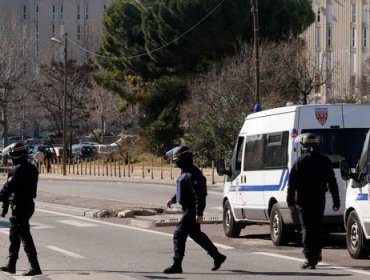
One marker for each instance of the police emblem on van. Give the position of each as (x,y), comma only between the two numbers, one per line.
(321,115)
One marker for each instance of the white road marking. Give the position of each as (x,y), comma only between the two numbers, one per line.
(4,230)
(36,225)
(122,226)
(68,253)
(76,223)
(321,263)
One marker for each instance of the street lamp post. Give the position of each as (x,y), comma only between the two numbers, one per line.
(64,156)
(254,10)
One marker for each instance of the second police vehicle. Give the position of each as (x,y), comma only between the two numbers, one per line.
(256,181)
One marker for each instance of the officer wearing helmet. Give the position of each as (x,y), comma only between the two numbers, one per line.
(191,192)
(20,189)
(310,178)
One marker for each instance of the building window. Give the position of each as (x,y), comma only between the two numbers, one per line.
(318,15)
(86,11)
(37,12)
(78,12)
(78,32)
(365,15)
(365,36)
(330,13)
(53,30)
(104,8)
(329,69)
(330,37)
(37,31)
(353,13)
(24,12)
(353,62)
(353,37)
(318,61)
(61,12)
(53,13)
(317,36)
(353,84)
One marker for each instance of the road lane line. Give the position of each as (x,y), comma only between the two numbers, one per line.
(76,223)
(122,226)
(68,253)
(321,263)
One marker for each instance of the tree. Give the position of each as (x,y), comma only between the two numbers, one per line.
(48,92)
(147,40)
(221,98)
(15,50)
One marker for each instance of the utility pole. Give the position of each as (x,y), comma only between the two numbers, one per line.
(254,10)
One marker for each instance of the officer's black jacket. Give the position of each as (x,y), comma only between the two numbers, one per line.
(191,190)
(310,177)
(22,184)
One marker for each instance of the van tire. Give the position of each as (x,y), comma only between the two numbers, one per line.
(231,228)
(280,233)
(357,245)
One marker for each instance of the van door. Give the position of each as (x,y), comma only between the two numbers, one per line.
(252,187)
(363,197)
(234,181)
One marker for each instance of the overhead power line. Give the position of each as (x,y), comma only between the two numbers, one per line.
(156,49)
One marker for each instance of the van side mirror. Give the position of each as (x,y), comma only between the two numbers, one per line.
(221,169)
(345,170)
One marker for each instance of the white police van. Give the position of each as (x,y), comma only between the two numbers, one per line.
(256,186)
(357,206)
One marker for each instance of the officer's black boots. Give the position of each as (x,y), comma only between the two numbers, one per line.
(309,264)
(35,267)
(174,268)
(10,267)
(218,261)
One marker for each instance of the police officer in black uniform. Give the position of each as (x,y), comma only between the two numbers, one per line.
(191,195)
(21,189)
(310,178)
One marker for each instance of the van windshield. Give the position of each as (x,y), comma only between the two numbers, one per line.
(339,144)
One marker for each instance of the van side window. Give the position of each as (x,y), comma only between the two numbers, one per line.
(253,157)
(236,164)
(276,150)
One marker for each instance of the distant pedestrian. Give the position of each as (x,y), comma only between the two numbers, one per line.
(310,178)
(20,190)
(191,194)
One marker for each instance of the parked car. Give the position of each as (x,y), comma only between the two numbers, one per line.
(45,149)
(82,151)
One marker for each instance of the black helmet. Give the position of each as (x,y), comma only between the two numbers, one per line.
(17,151)
(309,141)
(179,153)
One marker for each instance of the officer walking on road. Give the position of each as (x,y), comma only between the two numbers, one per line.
(21,189)
(191,192)
(310,178)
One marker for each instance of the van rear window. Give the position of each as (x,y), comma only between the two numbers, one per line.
(339,144)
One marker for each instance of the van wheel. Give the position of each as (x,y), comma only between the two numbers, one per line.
(231,228)
(357,245)
(279,232)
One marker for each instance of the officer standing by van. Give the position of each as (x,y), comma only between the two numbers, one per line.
(191,192)
(310,178)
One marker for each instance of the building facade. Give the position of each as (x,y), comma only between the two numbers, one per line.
(338,43)
(46,19)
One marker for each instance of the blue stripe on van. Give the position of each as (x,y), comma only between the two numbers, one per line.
(362,196)
(260,188)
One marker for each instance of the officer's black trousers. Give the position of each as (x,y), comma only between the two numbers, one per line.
(20,232)
(311,220)
(189,227)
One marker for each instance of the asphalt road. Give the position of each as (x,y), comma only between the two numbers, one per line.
(74,247)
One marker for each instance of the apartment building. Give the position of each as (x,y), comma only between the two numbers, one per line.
(339,44)
(46,19)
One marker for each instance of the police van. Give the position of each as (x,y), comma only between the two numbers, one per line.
(357,206)
(255,189)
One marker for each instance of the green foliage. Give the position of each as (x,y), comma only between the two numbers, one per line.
(148,43)
(165,131)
